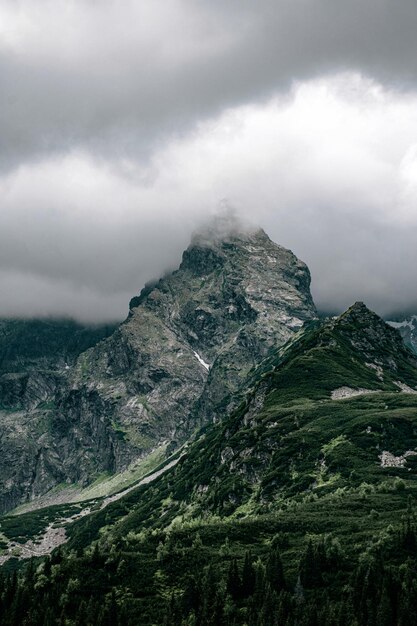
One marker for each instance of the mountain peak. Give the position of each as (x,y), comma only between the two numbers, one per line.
(227,228)
(360,312)
(359,306)
(370,334)
(242,250)
(361,317)
(181,357)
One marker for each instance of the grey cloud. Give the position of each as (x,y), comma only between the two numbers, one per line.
(120,79)
(124,125)
(29,295)
(354,258)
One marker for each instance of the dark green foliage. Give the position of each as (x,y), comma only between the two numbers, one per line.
(248,576)
(275,571)
(20,528)
(234,584)
(310,568)
(281,515)
(24,343)
(190,575)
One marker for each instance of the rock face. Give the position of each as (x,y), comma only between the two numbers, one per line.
(191,339)
(175,363)
(35,357)
(407,327)
(376,339)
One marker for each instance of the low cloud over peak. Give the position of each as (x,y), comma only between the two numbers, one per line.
(124,127)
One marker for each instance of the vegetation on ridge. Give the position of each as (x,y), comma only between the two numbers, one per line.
(297,509)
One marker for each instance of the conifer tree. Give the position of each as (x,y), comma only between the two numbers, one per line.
(275,571)
(310,572)
(260,584)
(248,576)
(209,585)
(384,613)
(268,610)
(191,598)
(233,584)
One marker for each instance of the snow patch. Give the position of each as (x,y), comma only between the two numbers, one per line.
(400,324)
(410,323)
(347,392)
(201,361)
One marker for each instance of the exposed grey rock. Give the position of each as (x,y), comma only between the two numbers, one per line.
(378,341)
(178,361)
(390,460)
(346,392)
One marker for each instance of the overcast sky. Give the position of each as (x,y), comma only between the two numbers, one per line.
(125,123)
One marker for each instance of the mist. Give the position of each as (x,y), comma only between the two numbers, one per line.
(123,129)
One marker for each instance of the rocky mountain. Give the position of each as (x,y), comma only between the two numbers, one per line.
(178,361)
(296,508)
(334,408)
(35,355)
(331,409)
(407,327)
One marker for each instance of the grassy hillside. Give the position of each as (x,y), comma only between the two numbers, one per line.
(299,509)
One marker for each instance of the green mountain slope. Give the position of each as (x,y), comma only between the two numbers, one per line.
(292,436)
(35,344)
(296,509)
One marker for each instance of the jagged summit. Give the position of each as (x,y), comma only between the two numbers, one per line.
(361,317)
(235,294)
(378,341)
(178,361)
(246,266)
(359,308)
(225,243)
(240,237)
(225,227)
(219,243)
(264,273)
(359,311)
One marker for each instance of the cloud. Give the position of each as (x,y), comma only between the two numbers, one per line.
(329,169)
(124,125)
(119,78)
(40,296)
